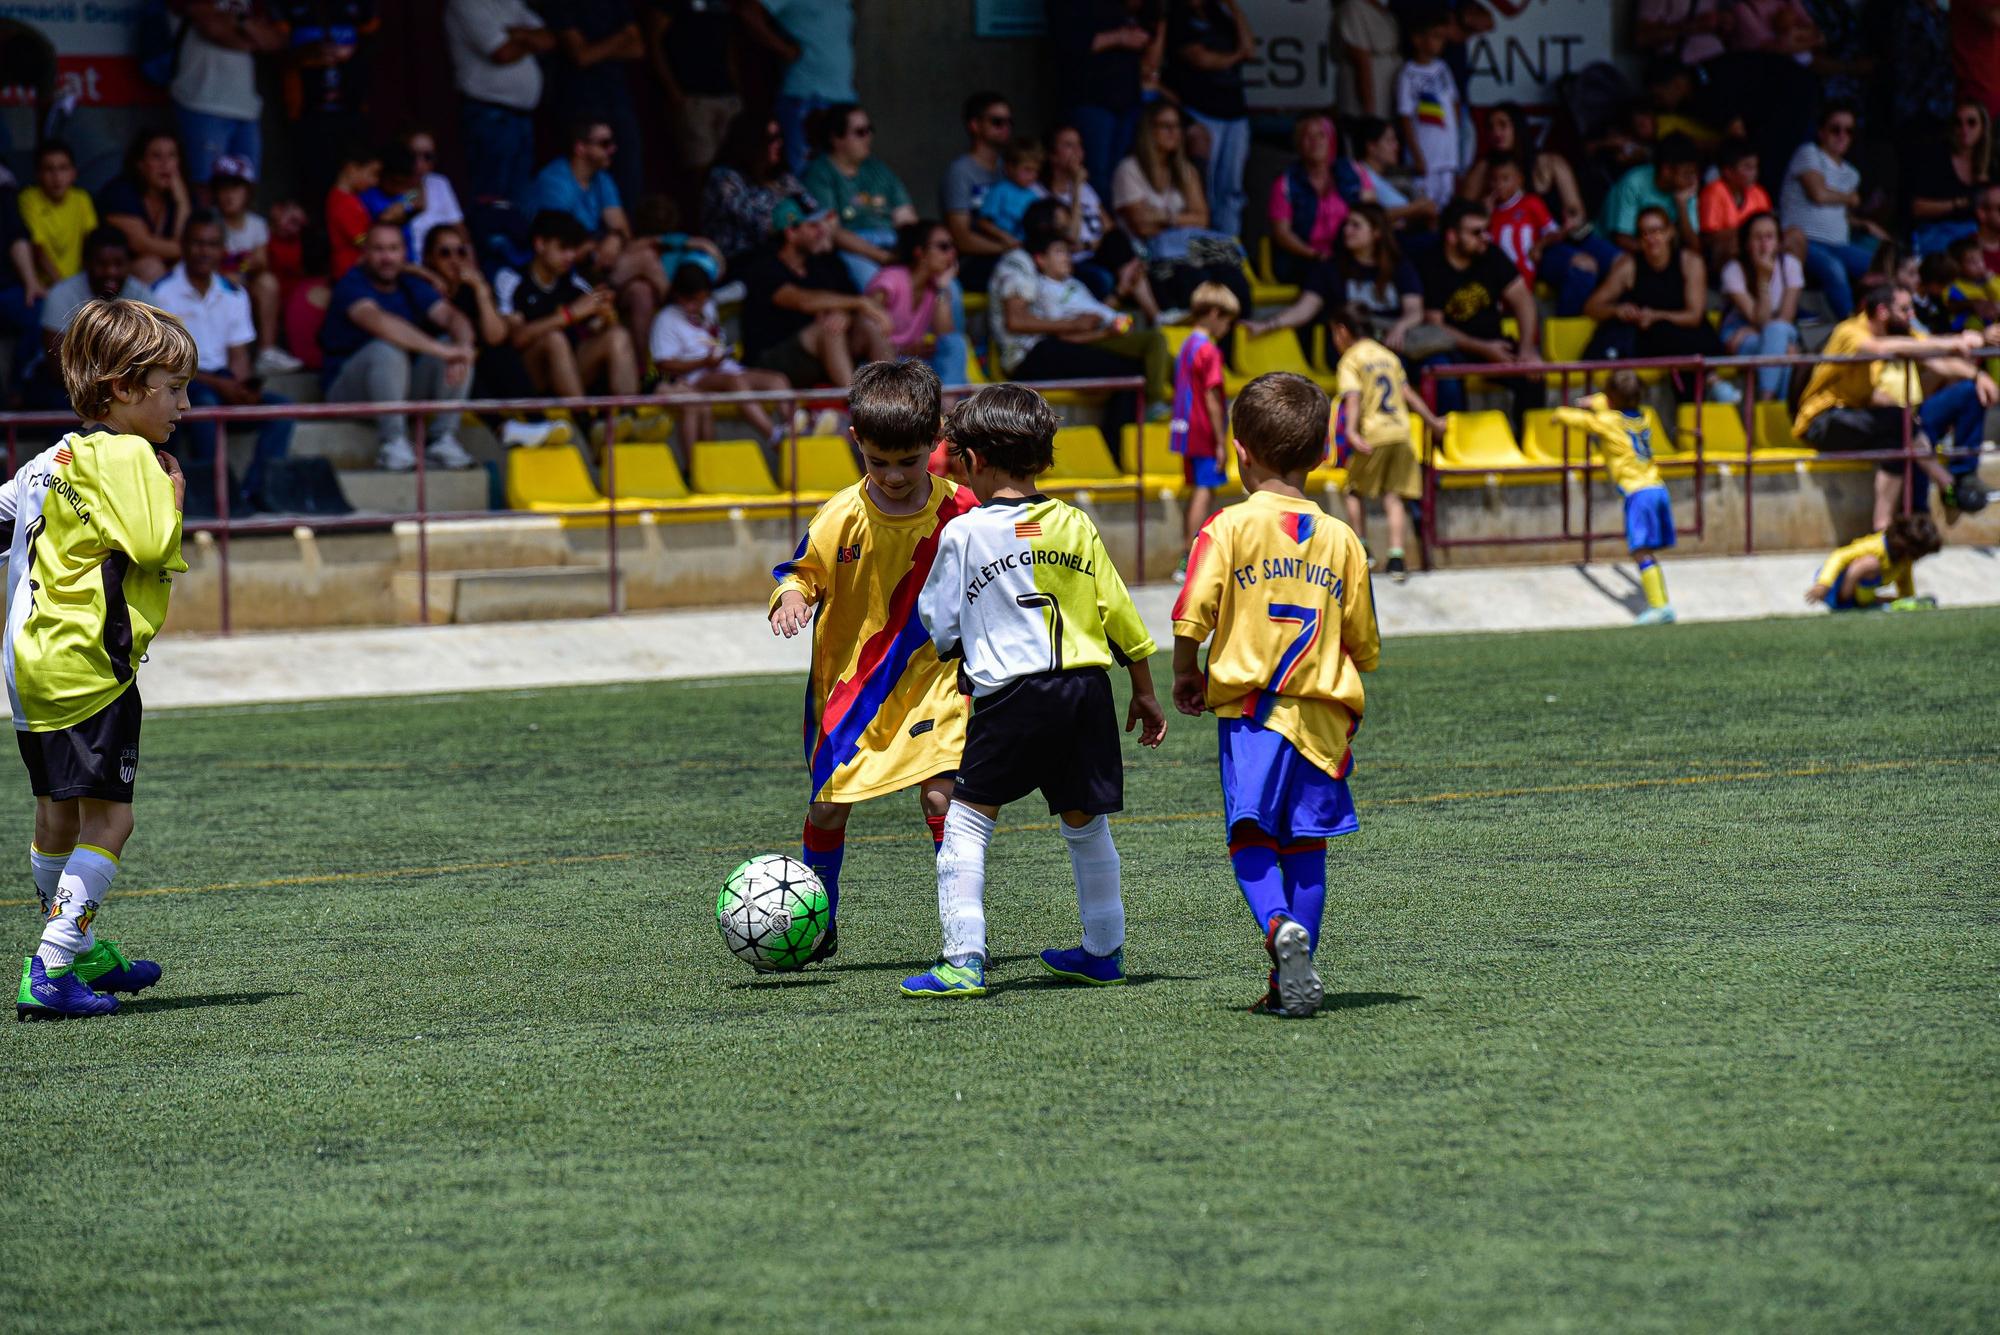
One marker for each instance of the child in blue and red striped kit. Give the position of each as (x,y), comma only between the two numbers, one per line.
(1200,431)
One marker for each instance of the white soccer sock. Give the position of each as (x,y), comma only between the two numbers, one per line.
(86,878)
(48,874)
(961,868)
(1094,860)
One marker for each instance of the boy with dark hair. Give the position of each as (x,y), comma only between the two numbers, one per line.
(1372,430)
(56,213)
(883,712)
(1283,588)
(94,530)
(1853,576)
(567,331)
(1616,419)
(347,216)
(1025,597)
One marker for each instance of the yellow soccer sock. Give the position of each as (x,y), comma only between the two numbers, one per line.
(1654,581)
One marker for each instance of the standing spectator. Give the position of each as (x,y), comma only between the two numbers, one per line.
(497,370)
(149,203)
(691,45)
(1975,51)
(1428,102)
(1680,30)
(217,315)
(326,84)
(246,261)
(1163,215)
(1946,175)
(57,214)
(1920,52)
(215,80)
(493,48)
(1468,285)
(1668,182)
(1367,272)
(745,186)
(801,314)
(1761,284)
(1654,303)
(566,330)
(1305,209)
(1208,42)
(1776,27)
(382,344)
(1366,35)
(820,68)
(439,199)
(1102,46)
(1366,177)
(347,216)
(601,46)
(1821,197)
(687,350)
(989,125)
(1841,63)
(916,291)
(868,201)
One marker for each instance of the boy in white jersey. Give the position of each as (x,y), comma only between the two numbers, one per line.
(1283,587)
(1372,430)
(1024,595)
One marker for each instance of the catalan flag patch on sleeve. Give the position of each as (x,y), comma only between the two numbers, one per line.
(1031,529)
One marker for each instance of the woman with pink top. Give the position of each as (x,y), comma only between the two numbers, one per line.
(916,291)
(1306,209)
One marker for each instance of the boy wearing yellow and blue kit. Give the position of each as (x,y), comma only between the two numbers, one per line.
(1283,588)
(882,713)
(1851,579)
(1617,422)
(93,532)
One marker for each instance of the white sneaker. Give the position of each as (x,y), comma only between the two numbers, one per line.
(274,360)
(827,423)
(446,452)
(517,432)
(396,456)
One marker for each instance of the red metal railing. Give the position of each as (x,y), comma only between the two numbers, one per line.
(615,506)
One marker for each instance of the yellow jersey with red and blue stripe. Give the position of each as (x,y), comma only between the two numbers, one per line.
(882,712)
(1625,440)
(1284,588)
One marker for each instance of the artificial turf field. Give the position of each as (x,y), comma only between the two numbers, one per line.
(1661,996)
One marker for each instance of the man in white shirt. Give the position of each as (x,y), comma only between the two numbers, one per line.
(217,315)
(493,48)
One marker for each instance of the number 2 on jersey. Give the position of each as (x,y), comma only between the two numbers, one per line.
(1387,389)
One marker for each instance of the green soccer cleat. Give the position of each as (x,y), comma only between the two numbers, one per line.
(1922,602)
(1655,616)
(106,968)
(945,979)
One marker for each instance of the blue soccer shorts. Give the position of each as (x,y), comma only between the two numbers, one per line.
(1267,782)
(1649,520)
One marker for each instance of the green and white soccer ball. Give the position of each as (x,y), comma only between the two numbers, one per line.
(772,912)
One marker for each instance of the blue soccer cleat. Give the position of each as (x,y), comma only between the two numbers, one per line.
(64,997)
(1080,966)
(1296,982)
(945,979)
(1655,616)
(106,968)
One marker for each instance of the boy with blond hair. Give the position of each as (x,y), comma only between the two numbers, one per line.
(94,540)
(1200,429)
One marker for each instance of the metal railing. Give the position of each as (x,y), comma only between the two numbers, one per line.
(614,506)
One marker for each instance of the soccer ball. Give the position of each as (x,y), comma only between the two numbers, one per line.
(772,912)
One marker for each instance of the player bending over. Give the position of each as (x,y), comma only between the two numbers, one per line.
(882,712)
(1852,578)
(1284,589)
(1618,424)
(93,528)
(1024,594)
(1373,435)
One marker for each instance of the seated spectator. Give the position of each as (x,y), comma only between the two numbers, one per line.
(1367,177)
(1822,198)
(58,214)
(1761,284)
(493,45)
(390,337)
(567,331)
(1067,179)
(916,291)
(149,203)
(1732,199)
(687,350)
(1305,208)
(1047,326)
(1549,174)
(498,371)
(581,186)
(246,260)
(868,201)
(989,126)
(347,216)
(217,315)
(802,316)
(1935,276)
(1668,182)
(1946,175)
(106,274)
(1654,303)
(1157,194)
(1986,208)
(744,188)
(1367,272)
(440,201)
(1974,291)
(1468,287)
(22,291)
(1010,197)
(398,193)
(1522,227)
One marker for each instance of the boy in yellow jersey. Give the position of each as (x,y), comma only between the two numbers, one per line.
(1617,422)
(93,527)
(1283,587)
(882,713)
(1852,578)
(1372,430)
(1025,597)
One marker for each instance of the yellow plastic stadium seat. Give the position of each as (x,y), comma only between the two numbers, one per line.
(1264,292)
(1722,433)
(1564,337)
(1542,439)
(731,468)
(549,477)
(1081,459)
(1151,454)
(647,472)
(826,463)
(1322,359)
(1275,351)
(975,303)
(1774,427)
(1481,440)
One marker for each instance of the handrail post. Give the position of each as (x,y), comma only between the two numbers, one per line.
(1589,523)
(1750,390)
(792,452)
(420,424)
(1139,490)
(611,509)
(221,467)
(1909,452)
(1700,427)
(1562,401)
(1427,387)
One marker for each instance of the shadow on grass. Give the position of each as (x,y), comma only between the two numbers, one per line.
(782,980)
(1352,1001)
(160,1005)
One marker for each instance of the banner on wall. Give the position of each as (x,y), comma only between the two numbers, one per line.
(97,62)
(1534,43)
(1294,65)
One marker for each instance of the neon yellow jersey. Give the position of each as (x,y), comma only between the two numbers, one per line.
(1284,588)
(1625,440)
(1376,374)
(94,541)
(882,712)
(1900,573)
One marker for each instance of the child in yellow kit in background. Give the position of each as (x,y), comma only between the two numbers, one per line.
(93,526)
(1284,589)
(1372,431)
(1852,578)
(882,713)
(1616,420)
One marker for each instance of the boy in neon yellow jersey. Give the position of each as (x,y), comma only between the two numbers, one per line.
(1618,424)
(93,526)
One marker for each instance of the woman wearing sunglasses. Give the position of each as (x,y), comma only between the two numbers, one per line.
(868,200)
(1946,176)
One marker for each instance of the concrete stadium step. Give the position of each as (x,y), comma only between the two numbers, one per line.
(546,593)
(298,386)
(381,492)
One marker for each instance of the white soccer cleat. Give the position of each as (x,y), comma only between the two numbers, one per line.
(1299,988)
